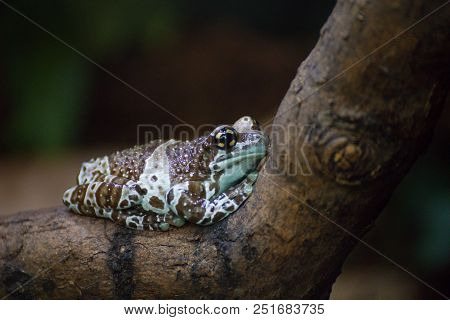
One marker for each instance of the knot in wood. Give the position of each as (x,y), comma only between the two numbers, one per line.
(347,152)
(347,157)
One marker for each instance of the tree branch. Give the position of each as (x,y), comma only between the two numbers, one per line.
(362,130)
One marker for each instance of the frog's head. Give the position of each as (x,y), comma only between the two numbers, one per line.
(240,148)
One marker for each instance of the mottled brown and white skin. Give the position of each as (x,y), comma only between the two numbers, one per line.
(165,183)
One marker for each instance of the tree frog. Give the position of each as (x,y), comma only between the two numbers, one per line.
(164,183)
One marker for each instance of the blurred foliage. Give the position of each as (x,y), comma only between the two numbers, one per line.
(48,83)
(45,113)
(422,204)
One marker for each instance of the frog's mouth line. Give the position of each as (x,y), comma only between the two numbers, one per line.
(232,159)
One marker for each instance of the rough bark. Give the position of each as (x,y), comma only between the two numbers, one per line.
(364,131)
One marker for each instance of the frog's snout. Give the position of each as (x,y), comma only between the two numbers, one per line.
(246,124)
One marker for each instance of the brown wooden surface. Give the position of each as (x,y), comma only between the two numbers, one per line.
(364,130)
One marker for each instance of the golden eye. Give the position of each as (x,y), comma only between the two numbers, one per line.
(226,138)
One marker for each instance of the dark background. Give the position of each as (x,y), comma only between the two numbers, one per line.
(207,62)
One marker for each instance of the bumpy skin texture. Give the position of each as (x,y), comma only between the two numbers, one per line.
(165,183)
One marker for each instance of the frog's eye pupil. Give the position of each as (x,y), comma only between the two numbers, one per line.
(226,138)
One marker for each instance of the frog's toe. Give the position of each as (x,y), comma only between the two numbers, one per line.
(178,221)
(174,220)
(164,226)
(247,190)
(252,176)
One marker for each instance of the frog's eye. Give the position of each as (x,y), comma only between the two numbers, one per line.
(225,138)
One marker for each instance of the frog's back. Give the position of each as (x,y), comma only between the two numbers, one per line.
(128,163)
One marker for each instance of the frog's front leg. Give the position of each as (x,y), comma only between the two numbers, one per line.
(196,202)
(106,192)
